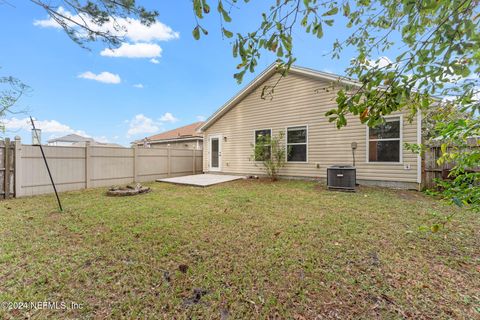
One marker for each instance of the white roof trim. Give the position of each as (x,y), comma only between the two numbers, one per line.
(261,78)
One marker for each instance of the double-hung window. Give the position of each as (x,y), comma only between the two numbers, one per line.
(263,149)
(297,144)
(385,141)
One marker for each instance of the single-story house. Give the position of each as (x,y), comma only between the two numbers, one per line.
(185,137)
(69,140)
(75,140)
(297,108)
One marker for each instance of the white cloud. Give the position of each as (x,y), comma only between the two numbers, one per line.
(14,124)
(50,126)
(138,38)
(382,62)
(168,117)
(130,28)
(201,118)
(141,124)
(157,31)
(105,77)
(138,86)
(137,50)
(53,127)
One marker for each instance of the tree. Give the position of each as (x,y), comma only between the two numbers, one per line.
(11,90)
(271,152)
(439,43)
(95,19)
(435,116)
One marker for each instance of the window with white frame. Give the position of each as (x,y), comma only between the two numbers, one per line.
(384,141)
(297,144)
(263,149)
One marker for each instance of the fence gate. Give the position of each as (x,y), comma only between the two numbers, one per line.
(7,165)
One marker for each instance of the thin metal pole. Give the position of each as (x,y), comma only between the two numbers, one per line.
(46,164)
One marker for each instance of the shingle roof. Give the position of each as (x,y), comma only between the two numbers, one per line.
(71,138)
(179,133)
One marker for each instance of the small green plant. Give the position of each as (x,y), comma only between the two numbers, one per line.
(271,151)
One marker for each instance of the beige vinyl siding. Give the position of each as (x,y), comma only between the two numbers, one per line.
(298,101)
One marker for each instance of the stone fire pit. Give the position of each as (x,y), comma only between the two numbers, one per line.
(130,190)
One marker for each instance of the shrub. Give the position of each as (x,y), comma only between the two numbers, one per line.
(271,152)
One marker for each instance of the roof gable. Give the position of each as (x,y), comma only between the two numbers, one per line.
(71,138)
(264,76)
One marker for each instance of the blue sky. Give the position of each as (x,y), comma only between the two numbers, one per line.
(189,81)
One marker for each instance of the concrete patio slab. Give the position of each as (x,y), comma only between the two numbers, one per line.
(201,180)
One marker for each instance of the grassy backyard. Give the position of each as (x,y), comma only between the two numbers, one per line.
(247,249)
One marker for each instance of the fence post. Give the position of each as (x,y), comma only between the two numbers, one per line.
(169,166)
(6,175)
(135,163)
(88,165)
(17,167)
(194,161)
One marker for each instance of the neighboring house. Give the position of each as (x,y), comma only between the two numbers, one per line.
(185,137)
(297,108)
(69,140)
(75,140)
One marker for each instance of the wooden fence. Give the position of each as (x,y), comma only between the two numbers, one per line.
(7,165)
(432,170)
(75,168)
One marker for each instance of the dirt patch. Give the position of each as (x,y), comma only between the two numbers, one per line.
(195,298)
(320,187)
(129,190)
(409,195)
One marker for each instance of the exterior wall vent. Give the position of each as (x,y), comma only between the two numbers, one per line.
(340,177)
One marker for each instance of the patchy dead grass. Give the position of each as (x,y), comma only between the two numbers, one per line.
(246,249)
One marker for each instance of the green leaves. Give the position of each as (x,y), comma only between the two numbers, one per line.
(196,32)
(439,43)
(271,152)
(346,9)
(318,30)
(331,12)
(95,15)
(227,33)
(201,7)
(198,8)
(223,12)
(280,52)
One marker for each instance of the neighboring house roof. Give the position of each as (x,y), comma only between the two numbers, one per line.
(71,138)
(266,74)
(182,133)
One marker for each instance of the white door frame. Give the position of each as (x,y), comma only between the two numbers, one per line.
(219,137)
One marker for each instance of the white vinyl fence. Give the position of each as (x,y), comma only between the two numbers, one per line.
(75,168)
